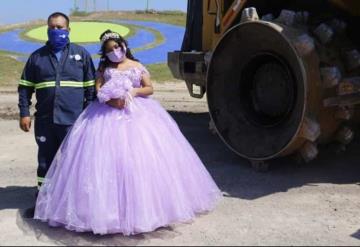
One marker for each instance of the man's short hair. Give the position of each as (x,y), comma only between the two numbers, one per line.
(57,14)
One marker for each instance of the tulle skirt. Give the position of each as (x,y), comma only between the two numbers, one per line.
(125,171)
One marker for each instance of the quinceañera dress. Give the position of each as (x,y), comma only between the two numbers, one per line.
(124,171)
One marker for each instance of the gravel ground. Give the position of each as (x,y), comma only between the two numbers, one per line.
(313,204)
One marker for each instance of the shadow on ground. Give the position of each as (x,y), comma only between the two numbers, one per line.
(21,198)
(356,235)
(61,236)
(236,178)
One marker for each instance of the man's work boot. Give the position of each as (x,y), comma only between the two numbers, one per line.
(29,213)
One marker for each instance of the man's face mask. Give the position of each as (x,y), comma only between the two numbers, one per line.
(117,55)
(58,38)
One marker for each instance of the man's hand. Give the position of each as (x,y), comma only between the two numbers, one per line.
(25,124)
(116,103)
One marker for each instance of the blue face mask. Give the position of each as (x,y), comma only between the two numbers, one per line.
(58,38)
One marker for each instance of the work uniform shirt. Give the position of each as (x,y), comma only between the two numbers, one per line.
(63,87)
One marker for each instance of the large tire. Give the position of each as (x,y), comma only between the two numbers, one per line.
(273,86)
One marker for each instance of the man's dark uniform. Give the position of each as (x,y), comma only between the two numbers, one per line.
(64,85)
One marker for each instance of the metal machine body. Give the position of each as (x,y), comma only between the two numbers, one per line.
(280,76)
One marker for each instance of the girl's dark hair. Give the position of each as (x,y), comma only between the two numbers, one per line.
(104,60)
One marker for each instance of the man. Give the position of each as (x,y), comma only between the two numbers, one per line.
(62,75)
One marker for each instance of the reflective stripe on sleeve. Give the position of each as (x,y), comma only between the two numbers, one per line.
(89,83)
(26,83)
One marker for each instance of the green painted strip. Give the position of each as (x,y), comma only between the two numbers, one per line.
(81,32)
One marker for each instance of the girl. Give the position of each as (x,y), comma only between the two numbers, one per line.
(125,167)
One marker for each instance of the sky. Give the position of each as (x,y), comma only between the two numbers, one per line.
(19,11)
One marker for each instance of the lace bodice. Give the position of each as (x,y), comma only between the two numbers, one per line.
(119,82)
(133,73)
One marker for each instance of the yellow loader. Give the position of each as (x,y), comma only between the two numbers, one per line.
(280,76)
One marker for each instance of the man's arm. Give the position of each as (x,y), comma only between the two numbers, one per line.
(26,90)
(89,79)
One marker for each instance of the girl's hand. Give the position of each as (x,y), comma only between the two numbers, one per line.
(130,96)
(133,92)
(116,103)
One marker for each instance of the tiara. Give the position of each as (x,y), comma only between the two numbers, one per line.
(110,36)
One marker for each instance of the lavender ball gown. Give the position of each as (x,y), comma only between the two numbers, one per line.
(124,171)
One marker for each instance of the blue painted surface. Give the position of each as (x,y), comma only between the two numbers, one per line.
(173,39)
(173,35)
(139,39)
(11,41)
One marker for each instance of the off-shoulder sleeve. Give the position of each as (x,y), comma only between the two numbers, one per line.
(144,71)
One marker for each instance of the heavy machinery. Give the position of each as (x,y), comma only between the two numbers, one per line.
(280,76)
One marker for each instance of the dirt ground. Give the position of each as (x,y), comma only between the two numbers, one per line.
(313,204)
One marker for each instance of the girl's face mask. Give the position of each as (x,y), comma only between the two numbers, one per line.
(117,55)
